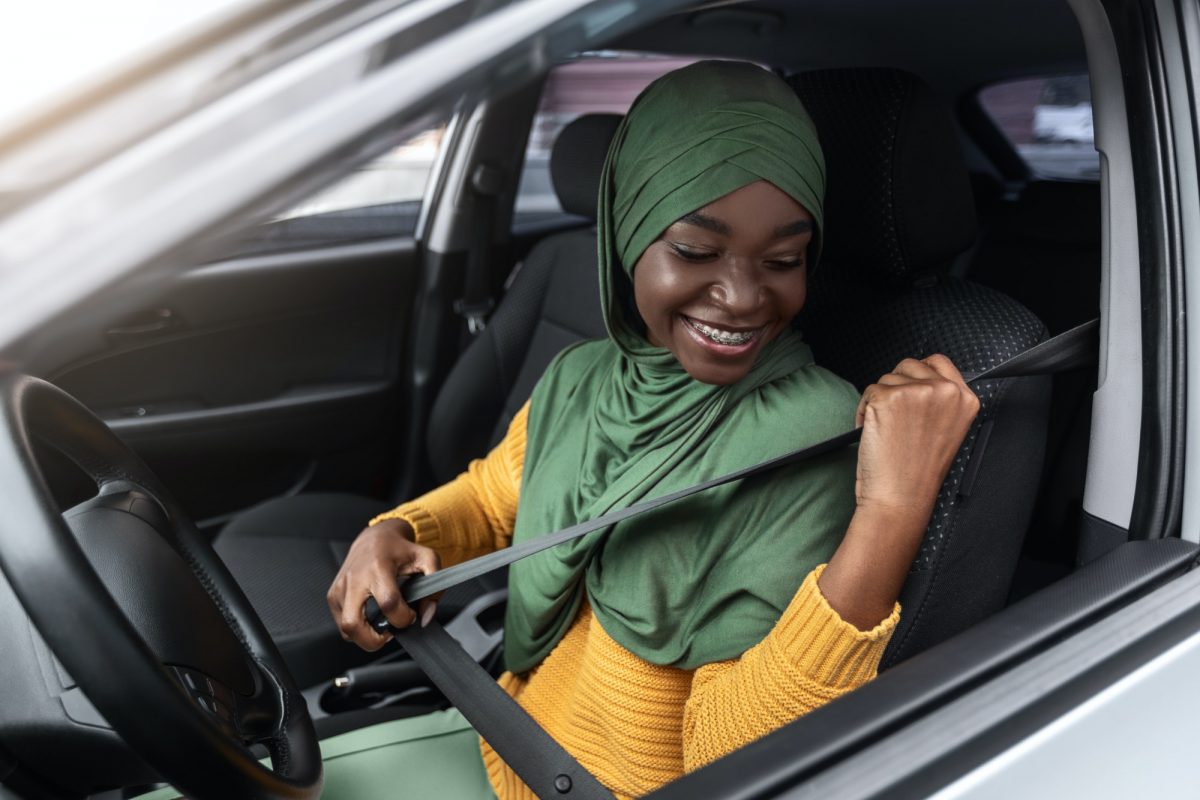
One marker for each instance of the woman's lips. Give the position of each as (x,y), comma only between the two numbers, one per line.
(704,335)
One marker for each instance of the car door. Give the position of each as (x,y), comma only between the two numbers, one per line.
(274,368)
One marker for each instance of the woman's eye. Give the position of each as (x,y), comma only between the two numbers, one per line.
(692,254)
(785,263)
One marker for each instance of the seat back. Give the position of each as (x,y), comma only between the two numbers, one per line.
(899,208)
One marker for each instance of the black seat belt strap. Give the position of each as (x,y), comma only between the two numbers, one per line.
(1077,347)
(542,763)
(1073,348)
(422,586)
(476,302)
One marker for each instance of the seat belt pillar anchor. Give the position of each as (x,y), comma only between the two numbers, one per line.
(475,313)
(487,179)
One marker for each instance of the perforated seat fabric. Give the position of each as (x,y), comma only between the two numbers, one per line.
(900,209)
(286,551)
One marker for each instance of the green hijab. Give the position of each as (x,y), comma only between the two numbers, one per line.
(618,420)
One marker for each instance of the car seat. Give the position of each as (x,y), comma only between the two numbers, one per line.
(899,209)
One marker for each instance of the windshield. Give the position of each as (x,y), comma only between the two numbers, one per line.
(268,107)
(44,56)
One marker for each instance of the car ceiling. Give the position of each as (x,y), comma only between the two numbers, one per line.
(955,45)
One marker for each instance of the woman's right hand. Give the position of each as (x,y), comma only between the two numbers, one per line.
(378,557)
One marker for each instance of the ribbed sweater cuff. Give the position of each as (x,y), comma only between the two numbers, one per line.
(831,650)
(425,526)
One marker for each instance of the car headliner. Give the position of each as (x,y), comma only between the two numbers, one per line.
(956,46)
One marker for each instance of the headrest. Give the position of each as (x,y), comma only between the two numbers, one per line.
(899,196)
(577,159)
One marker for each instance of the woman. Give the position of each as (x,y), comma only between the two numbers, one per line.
(684,633)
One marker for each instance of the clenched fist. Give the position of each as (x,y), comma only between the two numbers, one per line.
(913,421)
(379,556)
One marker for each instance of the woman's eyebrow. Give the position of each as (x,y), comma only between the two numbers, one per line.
(704,221)
(793,229)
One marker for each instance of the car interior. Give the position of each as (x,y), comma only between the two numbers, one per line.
(320,368)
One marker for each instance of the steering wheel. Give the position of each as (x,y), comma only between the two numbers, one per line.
(142,613)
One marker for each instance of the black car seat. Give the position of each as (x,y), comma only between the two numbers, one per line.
(898,210)
(285,552)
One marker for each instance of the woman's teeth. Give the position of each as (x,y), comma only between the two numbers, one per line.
(720,336)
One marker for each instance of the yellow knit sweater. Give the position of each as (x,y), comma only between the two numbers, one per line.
(633,724)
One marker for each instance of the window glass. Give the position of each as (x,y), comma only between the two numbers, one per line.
(1049,122)
(604,82)
(379,200)
(398,176)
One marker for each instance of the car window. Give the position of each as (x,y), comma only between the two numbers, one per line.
(380,199)
(1048,120)
(605,82)
(398,176)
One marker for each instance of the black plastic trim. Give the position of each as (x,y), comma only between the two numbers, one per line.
(433,347)
(1096,537)
(302,399)
(936,677)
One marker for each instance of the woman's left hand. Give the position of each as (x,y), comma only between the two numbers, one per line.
(914,419)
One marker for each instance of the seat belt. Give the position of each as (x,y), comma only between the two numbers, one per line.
(542,763)
(476,301)
(1076,347)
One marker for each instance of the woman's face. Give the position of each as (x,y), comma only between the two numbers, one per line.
(724,280)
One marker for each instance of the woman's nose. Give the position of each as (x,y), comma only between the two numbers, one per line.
(738,289)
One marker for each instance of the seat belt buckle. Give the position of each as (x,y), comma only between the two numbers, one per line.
(475,313)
